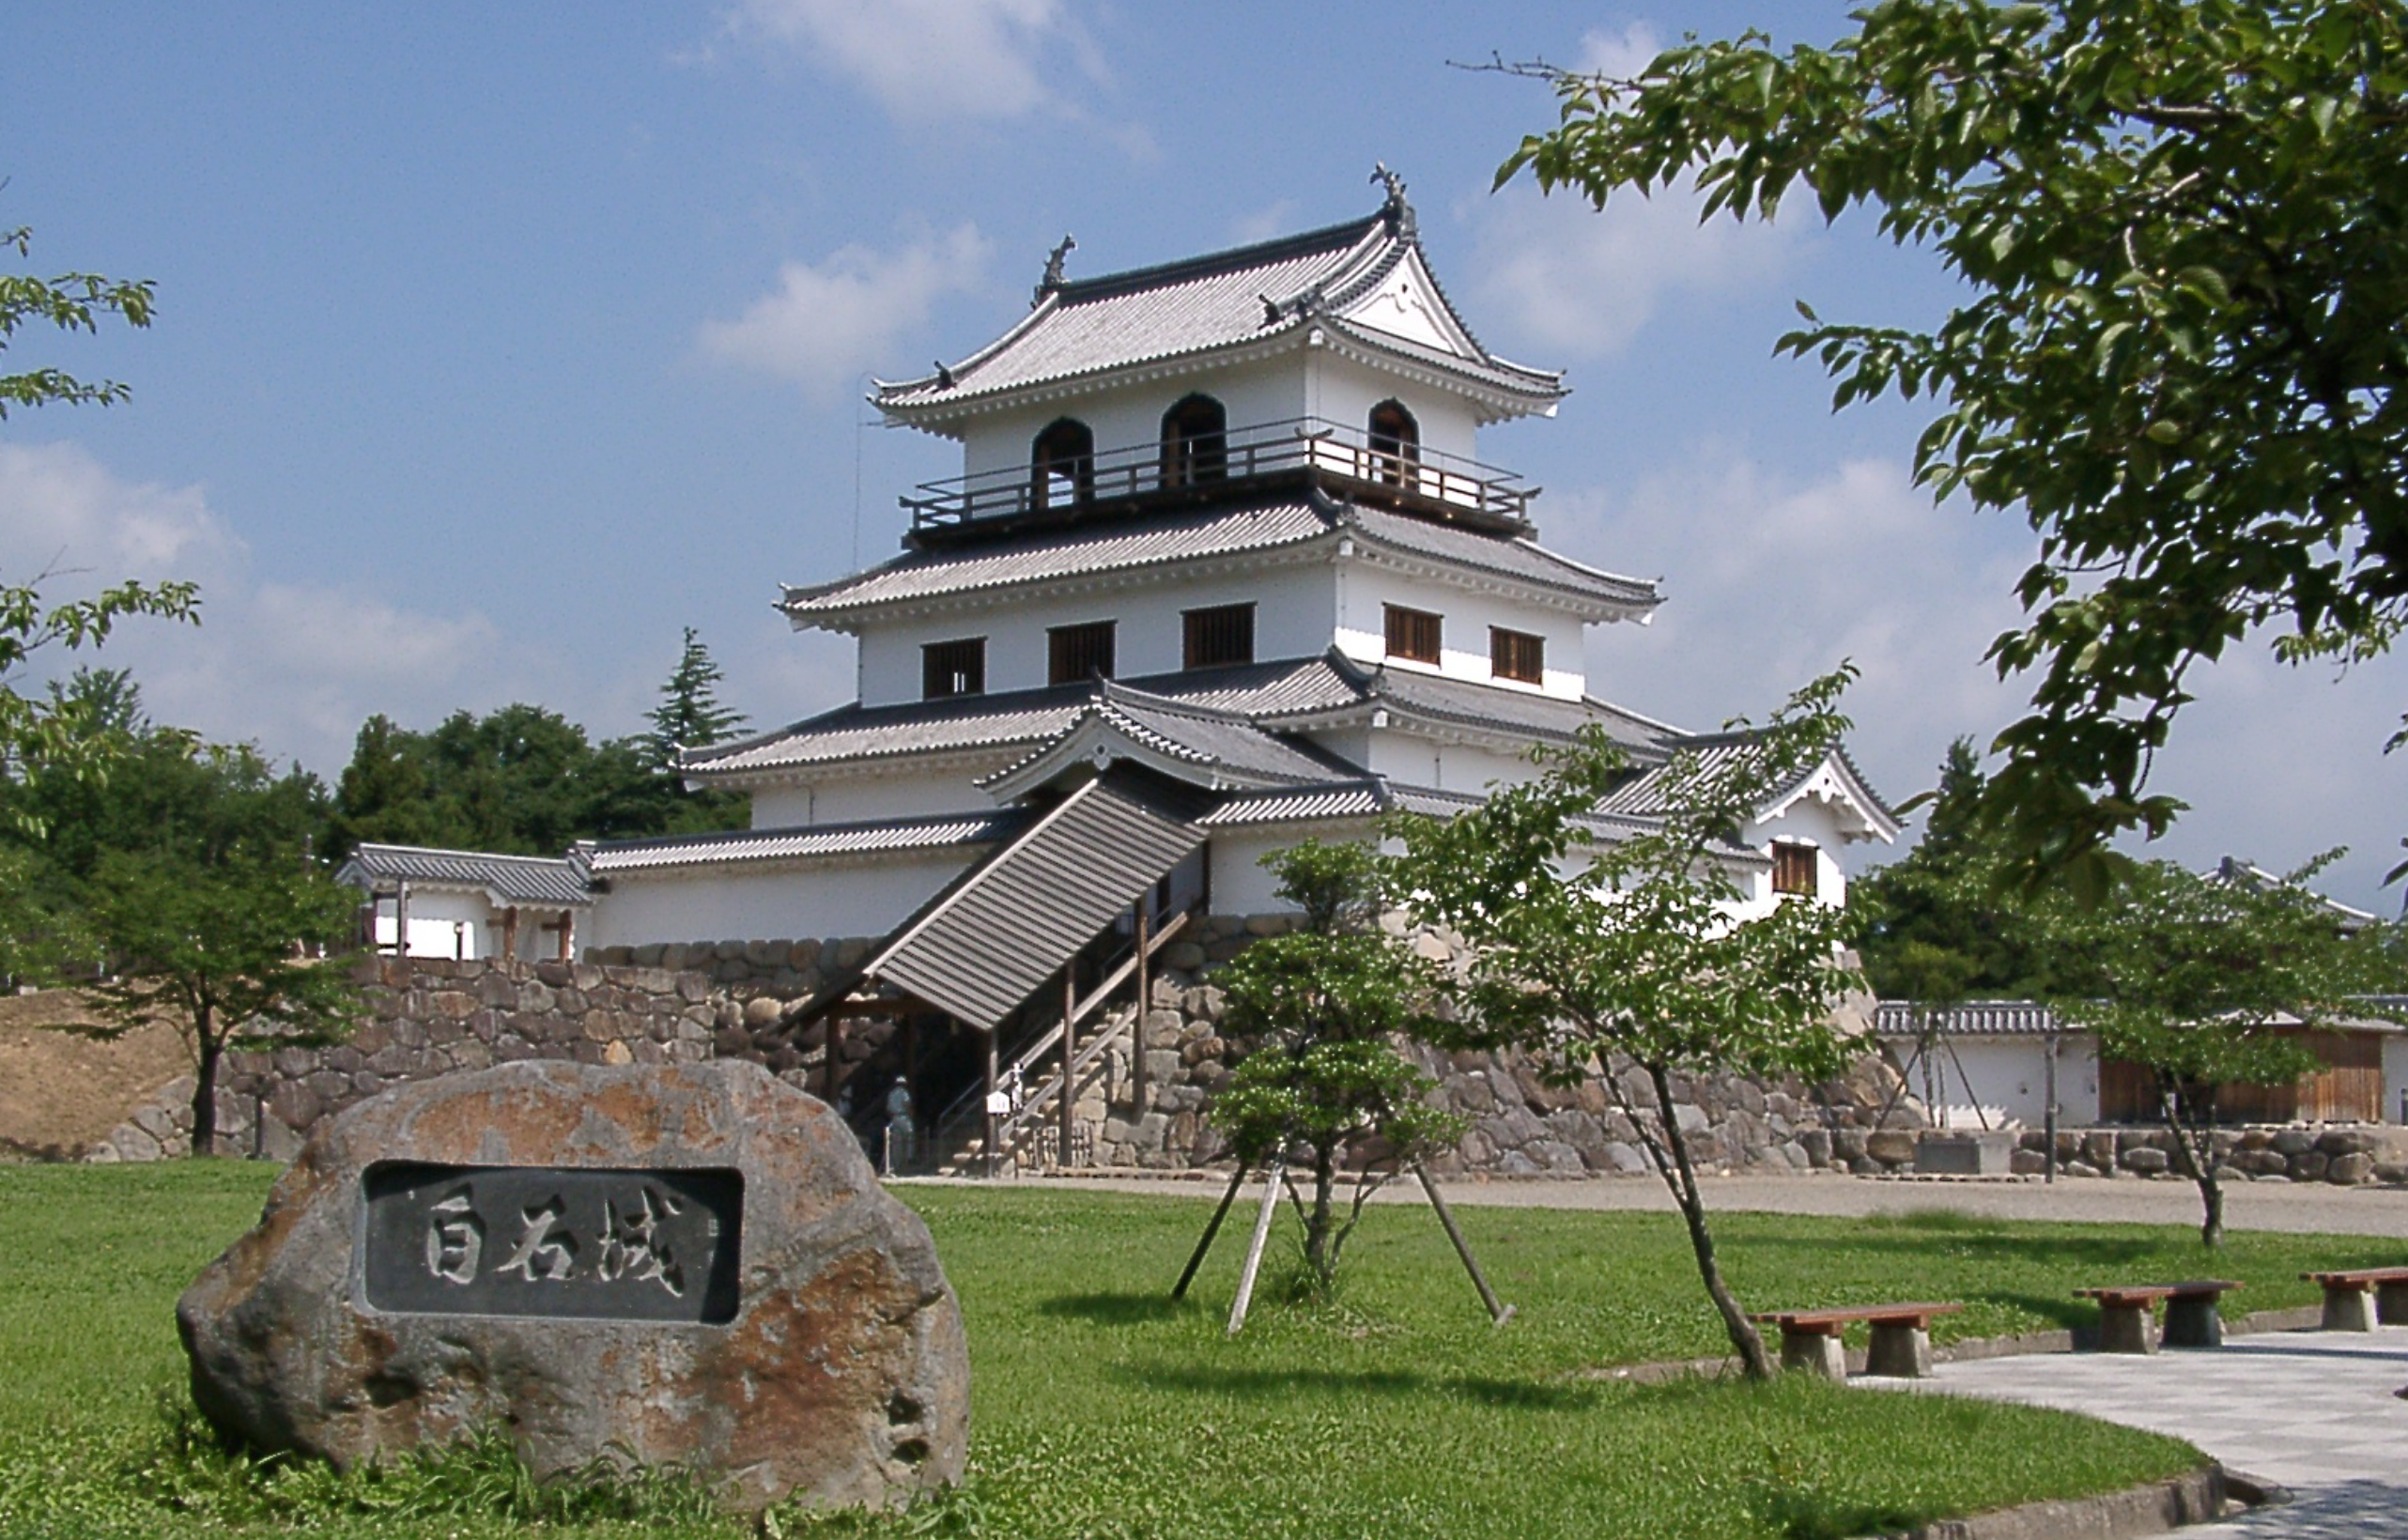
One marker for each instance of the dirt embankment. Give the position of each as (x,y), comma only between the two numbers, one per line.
(60,1091)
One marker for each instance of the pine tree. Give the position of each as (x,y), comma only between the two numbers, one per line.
(690,715)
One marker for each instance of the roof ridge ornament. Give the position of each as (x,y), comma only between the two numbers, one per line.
(1397,210)
(1053,277)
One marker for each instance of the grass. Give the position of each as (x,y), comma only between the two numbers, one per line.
(1100,1410)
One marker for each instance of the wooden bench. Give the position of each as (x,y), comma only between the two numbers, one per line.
(1902,1338)
(2356,1298)
(2192,1316)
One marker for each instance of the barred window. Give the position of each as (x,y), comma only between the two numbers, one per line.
(1412,634)
(1793,869)
(1075,652)
(1517,655)
(953,667)
(1222,634)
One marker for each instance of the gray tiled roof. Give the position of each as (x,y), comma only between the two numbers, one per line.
(1117,546)
(1201,306)
(1643,796)
(1293,695)
(1225,745)
(940,831)
(1972,1019)
(548,880)
(1014,719)
(1165,540)
(995,935)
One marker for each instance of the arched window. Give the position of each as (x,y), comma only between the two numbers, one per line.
(1061,465)
(1195,443)
(1395,443)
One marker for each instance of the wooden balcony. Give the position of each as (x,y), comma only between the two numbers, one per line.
(1264,457)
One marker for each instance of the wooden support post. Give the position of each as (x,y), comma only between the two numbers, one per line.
(510,931)
(1137,1032)
(1069,1052)
(2048,1171)
(560,929)
(993,1033)
(1254,1249)
(401,918)
(1179,1290)
(1499,1313)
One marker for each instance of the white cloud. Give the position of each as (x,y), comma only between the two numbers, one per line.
(1769,582)
(1617,55)
(823,326)
(1576,281)
(293,667)
(934,58)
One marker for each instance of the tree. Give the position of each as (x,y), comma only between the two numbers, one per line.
(38,737)
(689,716)
(73,302)
(1941,926)
(520,780)
(2208,983)
(1631,954)
(2177,224)
(1326,1002)
(222,924)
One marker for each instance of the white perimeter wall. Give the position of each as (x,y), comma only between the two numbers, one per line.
(1363,591)
(1294,617)
(465,926)
(2395,1076)
(719,904)
(2010,1080)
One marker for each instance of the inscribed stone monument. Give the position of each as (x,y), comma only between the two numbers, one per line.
(691,1265)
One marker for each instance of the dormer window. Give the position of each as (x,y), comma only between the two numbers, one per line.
(1195,443)
(1218,637)
(1061,465)
(1793,869)
(1396,443)
(1075,653)
(1412,634)
(948,669)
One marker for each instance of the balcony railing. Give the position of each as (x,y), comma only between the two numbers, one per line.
(1301,449)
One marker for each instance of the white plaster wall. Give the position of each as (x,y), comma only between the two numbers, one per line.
(890,790)
(1815,824)
(708,904)
(1130,416)
(1363,589)
(1344,392)
(1415,761)
(2009,1080)
(1241,885)
(443,925)
(1294,617)
(2395,1076)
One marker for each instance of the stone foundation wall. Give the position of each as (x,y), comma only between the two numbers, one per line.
(2344,1157)
(427,1017)
(783,970)
(1520,1126)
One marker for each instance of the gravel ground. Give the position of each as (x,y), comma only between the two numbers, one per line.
(2296,1207)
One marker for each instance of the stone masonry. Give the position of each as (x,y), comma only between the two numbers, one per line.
(686,1002)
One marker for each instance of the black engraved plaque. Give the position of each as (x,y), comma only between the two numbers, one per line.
(570,1243)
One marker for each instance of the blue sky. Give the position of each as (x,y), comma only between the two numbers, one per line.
(494,348)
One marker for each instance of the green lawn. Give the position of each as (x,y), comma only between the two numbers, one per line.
(1099,1410)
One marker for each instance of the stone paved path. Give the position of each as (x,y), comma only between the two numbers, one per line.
(2315,1411)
